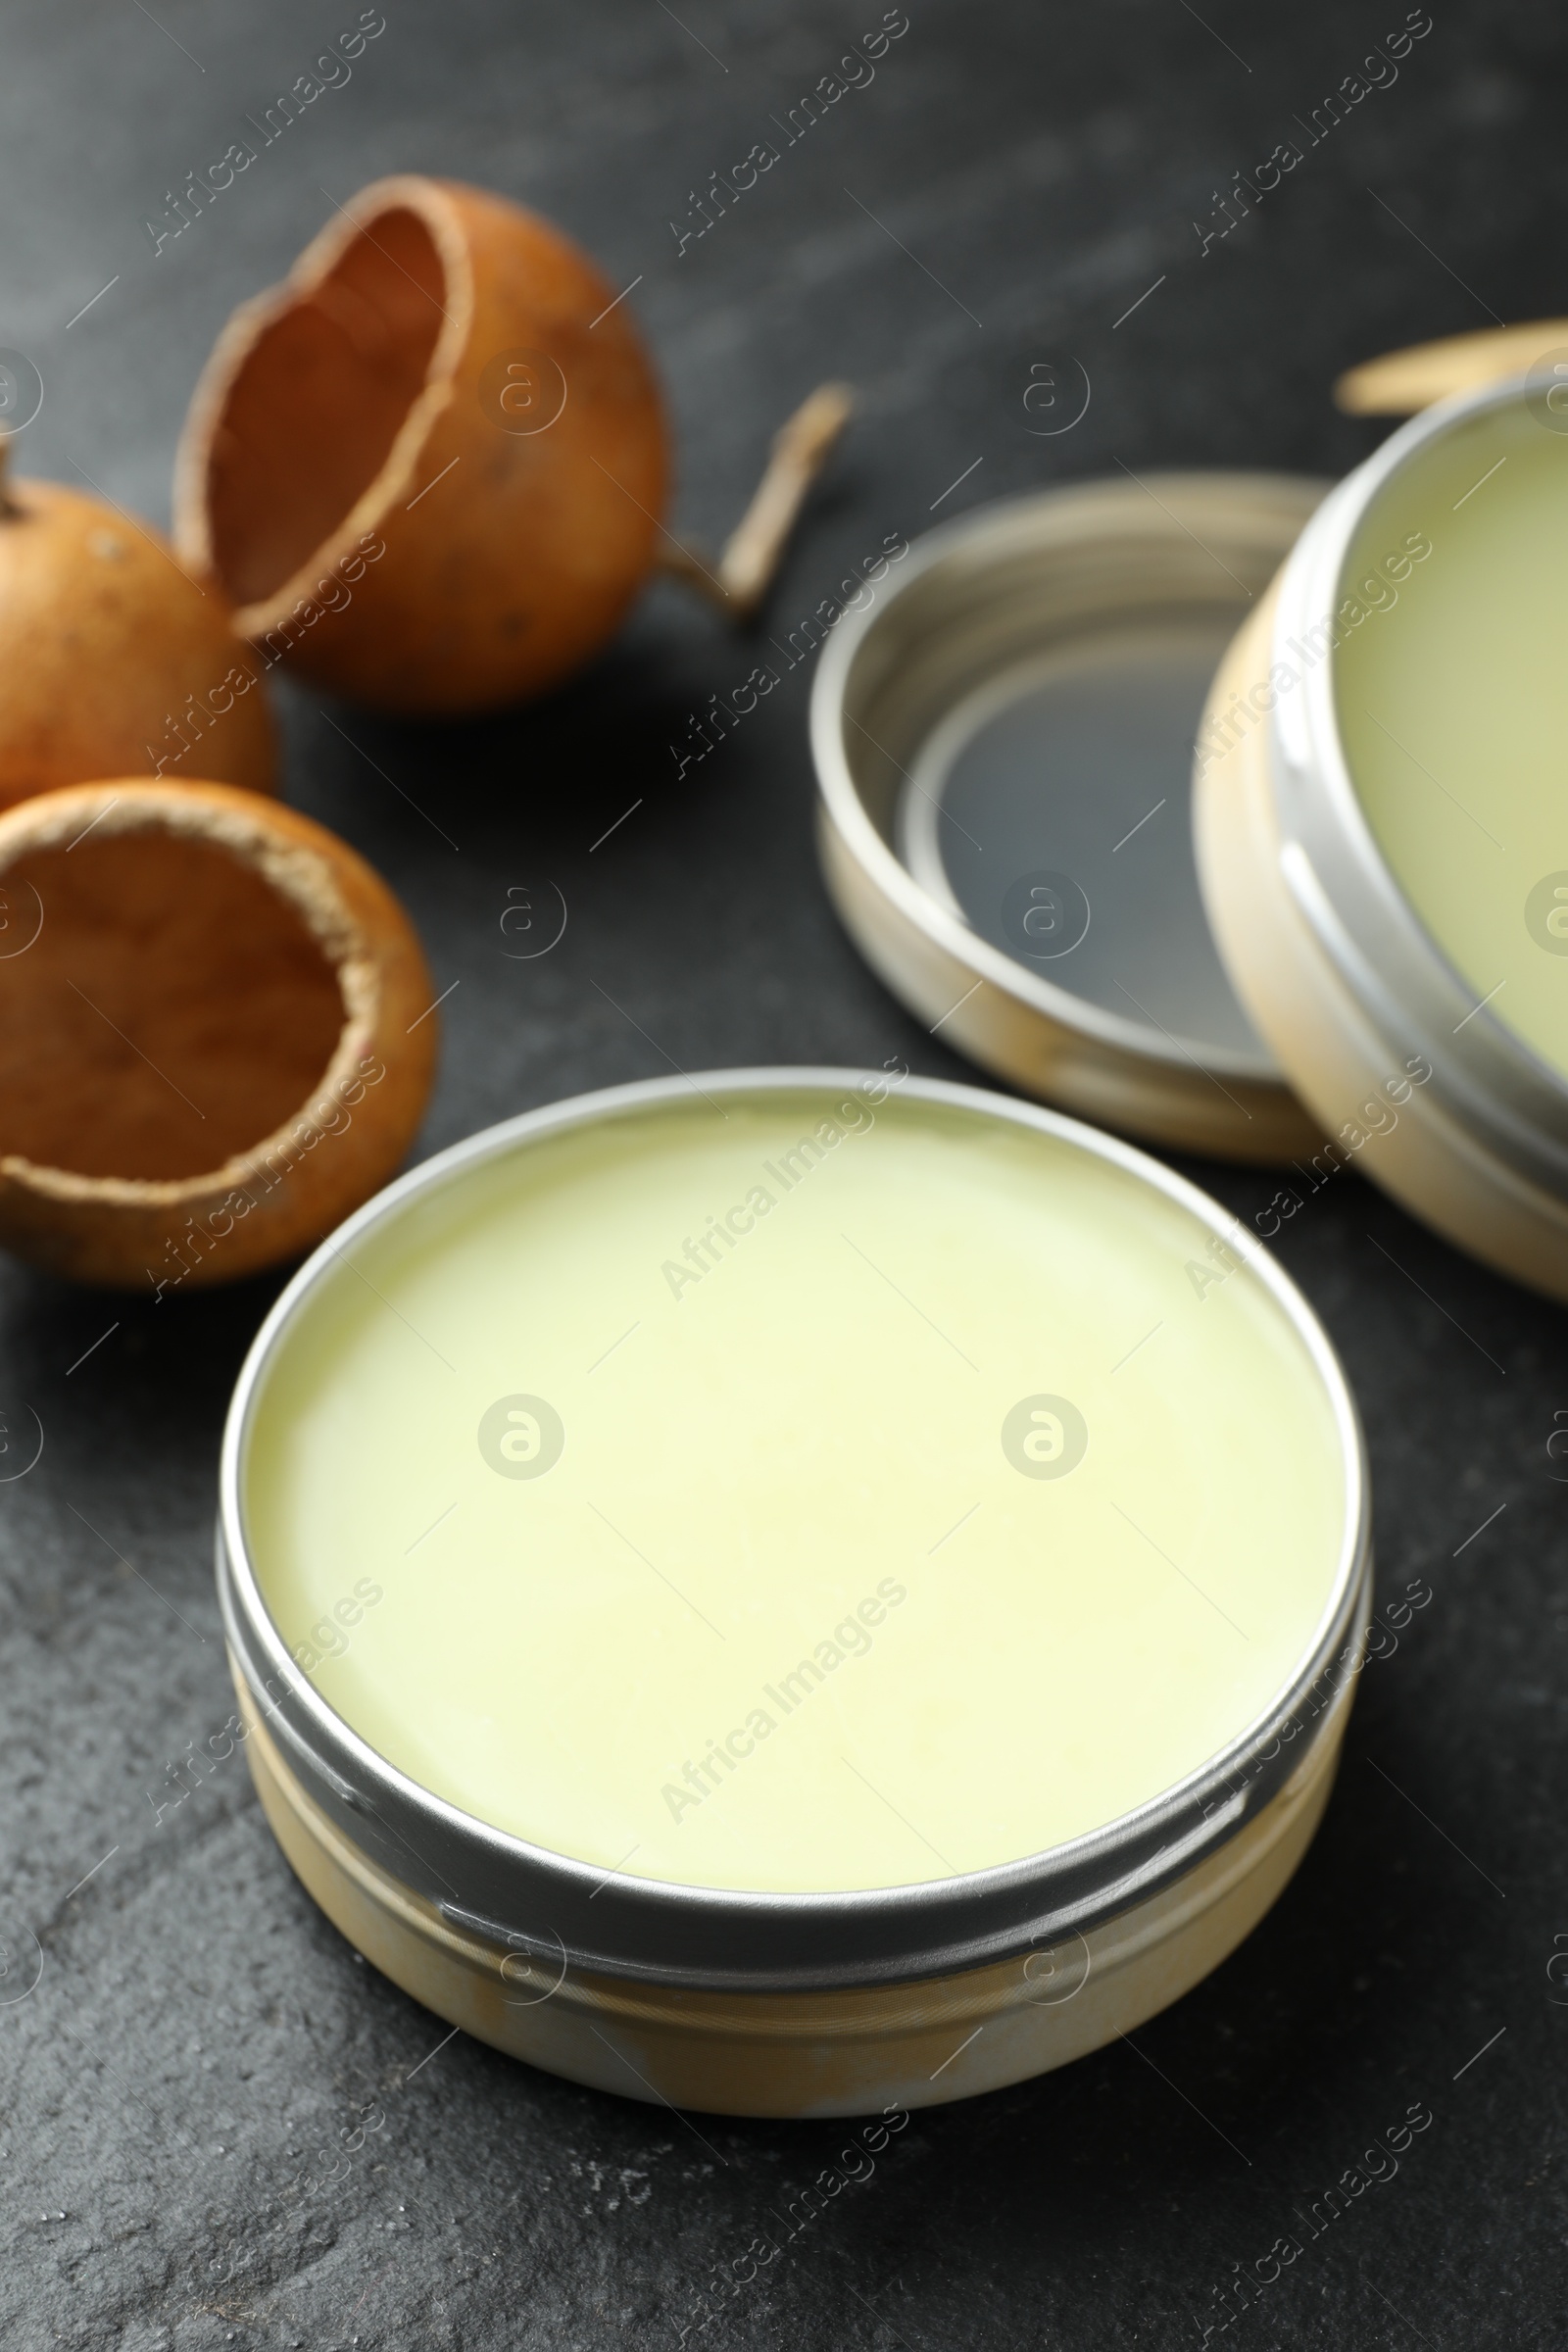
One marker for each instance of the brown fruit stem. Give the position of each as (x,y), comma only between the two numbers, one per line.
(9,508)
(745,571)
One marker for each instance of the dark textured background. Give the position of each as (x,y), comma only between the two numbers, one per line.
(197,2029)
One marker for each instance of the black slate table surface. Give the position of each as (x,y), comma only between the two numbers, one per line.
(183,2030)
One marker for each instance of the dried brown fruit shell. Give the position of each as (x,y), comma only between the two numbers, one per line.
(432,466)
(115,657)
(216,1034)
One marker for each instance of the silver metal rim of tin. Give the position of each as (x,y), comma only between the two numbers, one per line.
(987,589)
(573,1914)
(1492,1084)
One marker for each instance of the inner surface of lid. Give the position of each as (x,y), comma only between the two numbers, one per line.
(1452,693)
(798,1492)
(1051,811)
(162,1008)
(312,414)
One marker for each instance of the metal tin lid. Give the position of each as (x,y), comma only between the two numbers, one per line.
(612,1920)
(1002,737)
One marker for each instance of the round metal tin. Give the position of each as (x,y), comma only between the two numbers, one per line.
(1335,964)
(528,1948)
(1002,738)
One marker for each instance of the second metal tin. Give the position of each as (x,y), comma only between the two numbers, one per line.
(1443,1103)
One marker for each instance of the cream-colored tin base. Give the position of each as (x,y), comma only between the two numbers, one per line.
(1336,1059)
(808,2053)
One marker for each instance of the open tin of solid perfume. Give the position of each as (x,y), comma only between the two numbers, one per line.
(1004,744)
(1382,823)
(794,1591)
